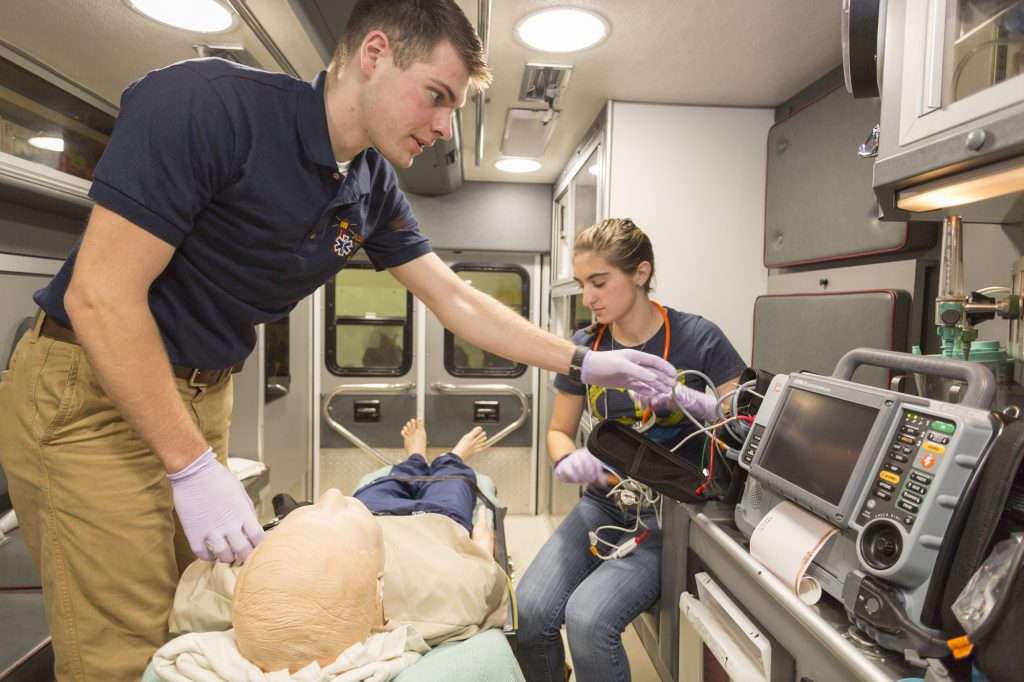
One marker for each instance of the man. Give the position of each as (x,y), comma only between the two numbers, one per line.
(225,196)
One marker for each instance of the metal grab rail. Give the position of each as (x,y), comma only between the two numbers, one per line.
(441,387)
(360,388)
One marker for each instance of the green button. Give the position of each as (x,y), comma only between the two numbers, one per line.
(943,427)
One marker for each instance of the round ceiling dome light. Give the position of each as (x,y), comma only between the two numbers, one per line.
(202,16)
(517,165)
(562,29)
(49,142)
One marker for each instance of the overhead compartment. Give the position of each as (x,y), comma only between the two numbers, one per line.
(819,205)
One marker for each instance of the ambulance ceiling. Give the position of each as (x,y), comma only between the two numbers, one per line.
(724,53)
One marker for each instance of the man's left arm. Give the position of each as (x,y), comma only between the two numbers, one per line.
(487,323)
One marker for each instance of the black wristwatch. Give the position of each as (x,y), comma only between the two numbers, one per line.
(576,365)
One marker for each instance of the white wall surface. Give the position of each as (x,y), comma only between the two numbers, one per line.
(693,178)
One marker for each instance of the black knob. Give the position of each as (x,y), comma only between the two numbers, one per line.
(950,316)
(885,546)
(881,544)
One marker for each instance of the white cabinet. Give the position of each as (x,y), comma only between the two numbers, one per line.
(952,96)
(579,199)
(693,179)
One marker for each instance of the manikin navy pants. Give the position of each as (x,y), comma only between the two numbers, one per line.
(453,498)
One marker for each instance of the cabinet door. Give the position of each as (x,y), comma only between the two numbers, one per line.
(959,68)
(819,205)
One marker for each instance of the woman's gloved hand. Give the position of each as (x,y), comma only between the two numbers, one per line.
(628,368)
(217,514)
(698,403)
(579,466)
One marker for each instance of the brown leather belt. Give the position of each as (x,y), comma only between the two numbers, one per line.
(52,329)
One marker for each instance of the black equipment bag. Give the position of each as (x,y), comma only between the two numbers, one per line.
(640,458)
(990,512)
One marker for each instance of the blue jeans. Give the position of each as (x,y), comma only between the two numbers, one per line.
(595,599)
(453,498)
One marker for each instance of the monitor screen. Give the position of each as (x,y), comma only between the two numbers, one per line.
(816,441)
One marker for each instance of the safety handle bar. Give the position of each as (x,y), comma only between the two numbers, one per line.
(441,387)
(360,388)
(981,384)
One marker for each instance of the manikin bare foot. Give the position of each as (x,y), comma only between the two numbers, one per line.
(414,434)
(483,534)
(470,444)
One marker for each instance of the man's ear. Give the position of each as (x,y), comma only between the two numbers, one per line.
(374,48)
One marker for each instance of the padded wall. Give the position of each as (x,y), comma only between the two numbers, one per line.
(813,331)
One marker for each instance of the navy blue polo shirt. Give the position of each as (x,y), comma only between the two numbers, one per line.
(234,168)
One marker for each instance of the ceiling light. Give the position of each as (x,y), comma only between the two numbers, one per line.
(517,165)
(561,29)
(964,188)
(202,16)
(53,144)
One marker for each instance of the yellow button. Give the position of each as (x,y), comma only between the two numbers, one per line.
(889,476)
(934,447)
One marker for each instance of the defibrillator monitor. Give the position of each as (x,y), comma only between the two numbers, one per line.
(820,445)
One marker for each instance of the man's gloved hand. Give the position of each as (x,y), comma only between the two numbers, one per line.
(698,403)
(629,369)
(215,510)
(579,466)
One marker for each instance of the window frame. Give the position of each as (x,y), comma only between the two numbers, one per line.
(331,323)
(519,369)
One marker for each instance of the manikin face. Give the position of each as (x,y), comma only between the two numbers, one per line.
(312,588)
(607,290)
(346,519)
(407,111)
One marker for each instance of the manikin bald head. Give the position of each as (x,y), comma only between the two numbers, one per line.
(313,588)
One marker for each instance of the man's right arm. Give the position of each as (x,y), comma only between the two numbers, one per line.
(107,302)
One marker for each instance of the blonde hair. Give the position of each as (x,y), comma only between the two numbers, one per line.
(621,243)
(414,28)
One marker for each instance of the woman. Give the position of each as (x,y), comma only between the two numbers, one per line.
(571,580)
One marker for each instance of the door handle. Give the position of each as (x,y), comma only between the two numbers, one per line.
(452,389)
(277,387)
(486,411)
(366,411)
(360,388)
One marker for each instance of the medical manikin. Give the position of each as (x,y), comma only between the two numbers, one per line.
(336,591)
(313,588)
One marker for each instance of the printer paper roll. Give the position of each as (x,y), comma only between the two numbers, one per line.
(786,542)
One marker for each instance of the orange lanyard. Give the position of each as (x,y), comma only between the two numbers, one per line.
(664,353)
(668,331)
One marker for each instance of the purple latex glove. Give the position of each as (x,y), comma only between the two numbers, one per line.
(698,403)
(630,369)
(218,517)
(579,466)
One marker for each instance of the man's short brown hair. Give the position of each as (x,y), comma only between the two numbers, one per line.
(414,28)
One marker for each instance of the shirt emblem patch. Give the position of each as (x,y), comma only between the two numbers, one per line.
(348,240)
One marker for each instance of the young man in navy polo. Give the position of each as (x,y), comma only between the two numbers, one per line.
(225,196)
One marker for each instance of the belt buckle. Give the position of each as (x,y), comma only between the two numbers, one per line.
(192,383)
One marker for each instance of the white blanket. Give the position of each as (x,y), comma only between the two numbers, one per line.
(214,657)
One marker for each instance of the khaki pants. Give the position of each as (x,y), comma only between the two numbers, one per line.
(95,507)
